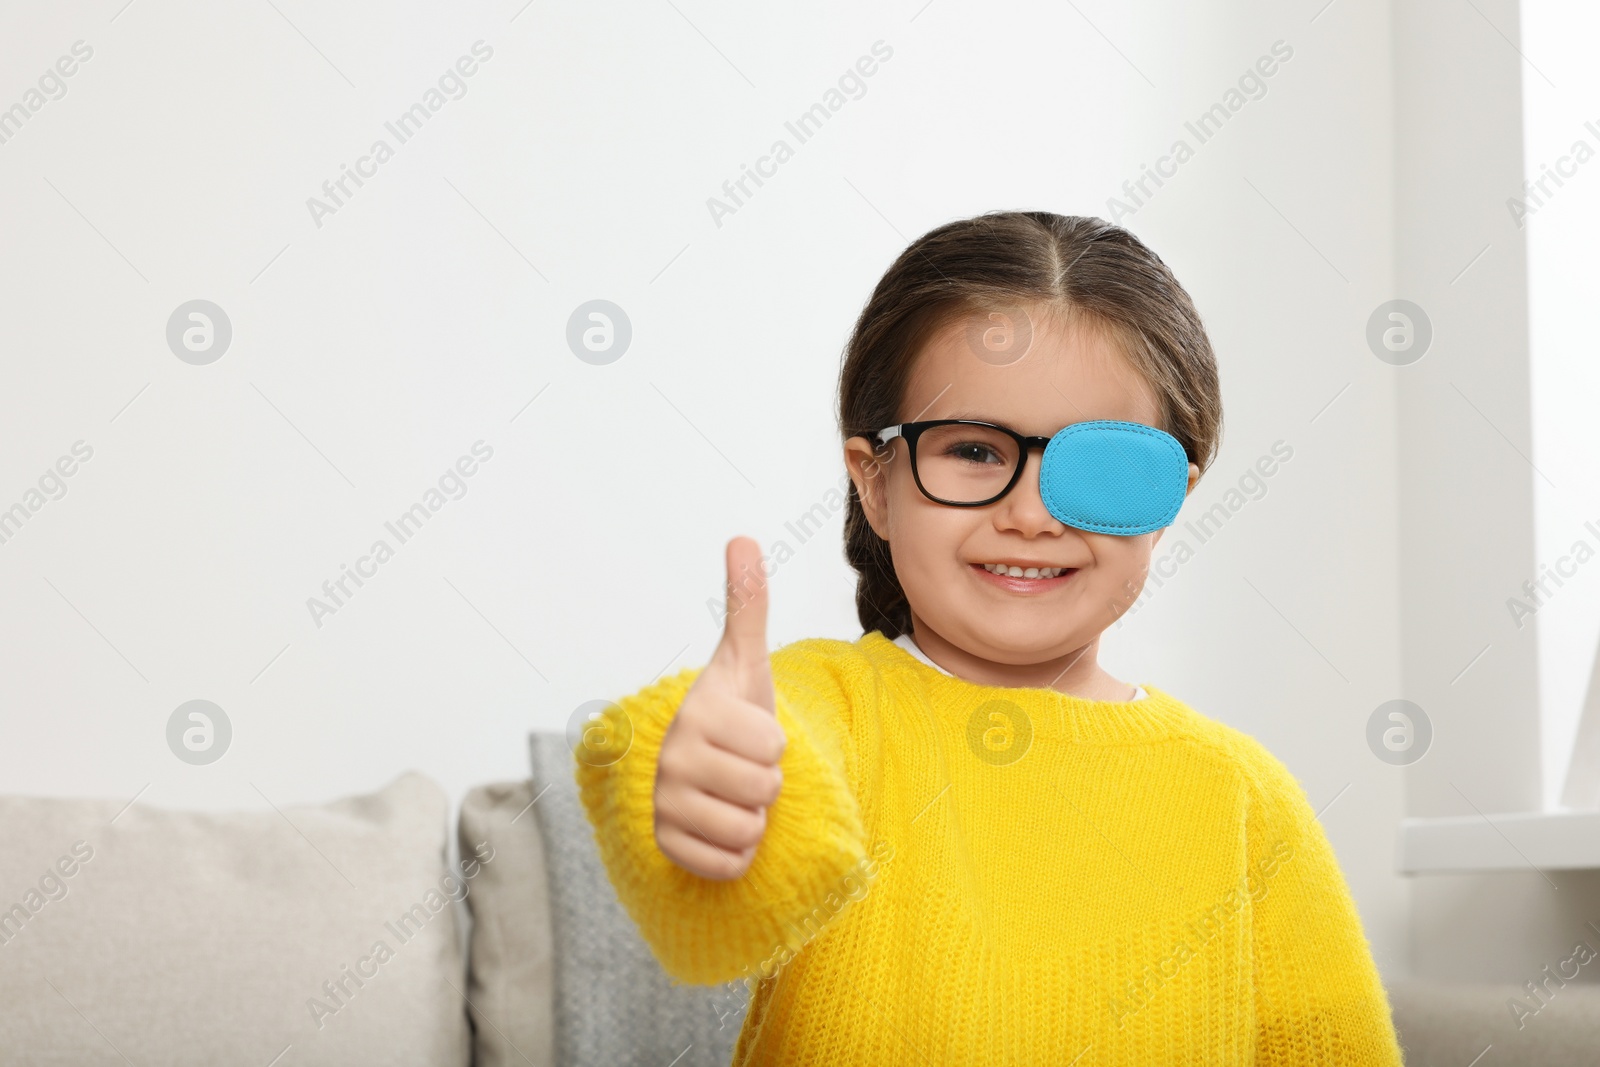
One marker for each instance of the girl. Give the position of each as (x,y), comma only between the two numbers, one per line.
(958,839)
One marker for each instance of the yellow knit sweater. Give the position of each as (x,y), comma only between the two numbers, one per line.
(960,873)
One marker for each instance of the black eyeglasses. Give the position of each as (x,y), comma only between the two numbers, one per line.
(960,462)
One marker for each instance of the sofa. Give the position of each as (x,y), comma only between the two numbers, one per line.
(352,933)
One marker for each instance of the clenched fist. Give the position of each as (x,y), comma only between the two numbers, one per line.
(718,769)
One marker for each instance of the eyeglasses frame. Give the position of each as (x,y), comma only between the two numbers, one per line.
(910,431)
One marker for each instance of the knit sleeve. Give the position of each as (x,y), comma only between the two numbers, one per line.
(1318,996)
(705,931)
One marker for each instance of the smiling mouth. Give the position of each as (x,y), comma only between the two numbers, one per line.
(1025,574)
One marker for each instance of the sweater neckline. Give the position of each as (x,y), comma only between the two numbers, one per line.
(1046,712)
(909,643)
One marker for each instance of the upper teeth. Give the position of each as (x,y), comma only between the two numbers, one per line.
(1020,572)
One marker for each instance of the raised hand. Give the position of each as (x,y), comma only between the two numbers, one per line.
(718,769)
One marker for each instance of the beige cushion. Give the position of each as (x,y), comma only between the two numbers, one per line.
(166,937)
(512,986)
(1450,1025)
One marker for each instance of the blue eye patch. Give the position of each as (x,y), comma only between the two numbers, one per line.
(1113,477)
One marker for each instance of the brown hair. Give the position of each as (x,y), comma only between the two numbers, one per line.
(1084,267)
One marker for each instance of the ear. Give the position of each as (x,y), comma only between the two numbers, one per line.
(1194,478)
(868,471)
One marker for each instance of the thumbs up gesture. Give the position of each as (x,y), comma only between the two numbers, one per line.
(718,768)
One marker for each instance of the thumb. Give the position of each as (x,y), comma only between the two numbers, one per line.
(744,635)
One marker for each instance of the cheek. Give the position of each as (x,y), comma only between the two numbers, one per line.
(907,510)
(925,538)
(914,541)
(1121,561)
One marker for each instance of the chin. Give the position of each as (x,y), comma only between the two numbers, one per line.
(1017,644)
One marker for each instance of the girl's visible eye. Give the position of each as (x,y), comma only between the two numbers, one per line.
(974,452)
(967,451)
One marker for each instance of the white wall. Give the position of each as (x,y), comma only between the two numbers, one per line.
(1561,217)
(1475,450)
(424,314)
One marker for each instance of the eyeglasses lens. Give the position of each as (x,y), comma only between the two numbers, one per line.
(965,464)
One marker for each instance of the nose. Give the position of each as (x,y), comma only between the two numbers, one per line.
(1022,509)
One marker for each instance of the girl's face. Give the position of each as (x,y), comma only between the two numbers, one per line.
(1009,631)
